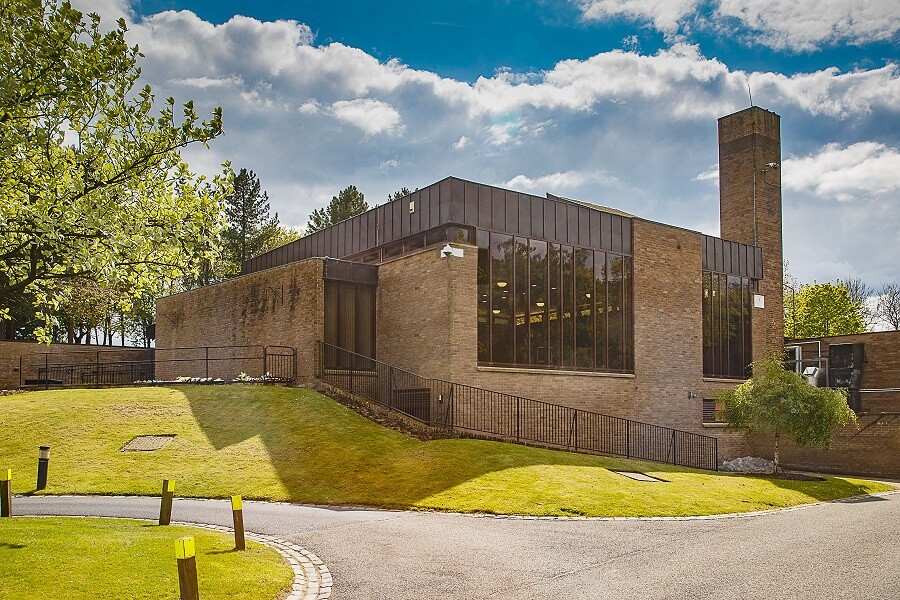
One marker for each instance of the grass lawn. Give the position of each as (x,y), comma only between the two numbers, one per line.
(294,444)
(98,559)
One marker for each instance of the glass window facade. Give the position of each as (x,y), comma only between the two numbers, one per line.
(548,305)
(727,344)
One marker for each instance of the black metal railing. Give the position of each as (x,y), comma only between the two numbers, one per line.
(469,409)
(124,366)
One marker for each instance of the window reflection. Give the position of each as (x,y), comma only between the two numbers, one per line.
(547,304)
(727,345)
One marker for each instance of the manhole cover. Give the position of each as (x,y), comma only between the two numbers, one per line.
(148,443)
(638,476)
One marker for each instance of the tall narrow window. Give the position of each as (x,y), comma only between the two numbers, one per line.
(484,297)
(554,257)
(600,308)
(538,311)
(614,275)
(584,313)
(502,317)
(568,306)
(628,312)
(726,308)
(521,294)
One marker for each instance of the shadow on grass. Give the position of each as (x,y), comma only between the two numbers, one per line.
(9,546)
(215,552)
(324,453)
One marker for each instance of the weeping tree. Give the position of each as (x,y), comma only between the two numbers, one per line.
(779,402)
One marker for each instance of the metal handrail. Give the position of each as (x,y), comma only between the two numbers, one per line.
(510,417)
(281,361)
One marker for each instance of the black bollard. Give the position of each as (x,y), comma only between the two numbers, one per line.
(43,461)
(6,493)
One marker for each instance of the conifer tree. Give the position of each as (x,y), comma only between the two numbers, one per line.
(348,203)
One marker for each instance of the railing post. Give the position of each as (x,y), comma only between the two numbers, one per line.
(674,452)
(20,371)
(390,397)
(575,445)
(716,450)
(46,370)
(518,416)
(627,439)
(207,361)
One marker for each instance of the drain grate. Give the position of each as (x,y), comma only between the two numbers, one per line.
(148,443)
(639,476)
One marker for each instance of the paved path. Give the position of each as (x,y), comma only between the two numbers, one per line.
(835,550)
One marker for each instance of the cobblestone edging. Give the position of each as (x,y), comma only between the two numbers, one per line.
(312,579)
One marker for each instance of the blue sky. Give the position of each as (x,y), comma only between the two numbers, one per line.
(465,39)
(609,101)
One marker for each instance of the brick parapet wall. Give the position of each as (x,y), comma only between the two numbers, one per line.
(871,447)
(280,306)
(31,356)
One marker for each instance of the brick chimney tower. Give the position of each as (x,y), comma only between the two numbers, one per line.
(750,209)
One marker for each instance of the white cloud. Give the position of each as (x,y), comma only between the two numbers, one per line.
(207,82)
(110,10)
(801,25)
(560,181)
(388,164)
(808,24)
(372,116)
(711,174)
(845,173)
(309,107)
(311,120)
(665,15)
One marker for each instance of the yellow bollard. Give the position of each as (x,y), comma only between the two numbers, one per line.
(165,507)
(237,512)
(187,568)
(6,493)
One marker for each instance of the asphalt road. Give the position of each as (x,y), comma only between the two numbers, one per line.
(835,550)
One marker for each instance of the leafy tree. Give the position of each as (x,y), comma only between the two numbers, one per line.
(348,203)
(780,402)
(92,180)
(822,309)
(85,305)
(887,306)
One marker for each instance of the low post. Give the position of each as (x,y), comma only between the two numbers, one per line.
(165,507)
(187,568)
(43,462)
(237,511)
(6,493)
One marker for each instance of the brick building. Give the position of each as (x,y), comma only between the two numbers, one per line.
(543,297)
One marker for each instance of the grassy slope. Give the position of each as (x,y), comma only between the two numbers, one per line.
(107,559)
(289,444)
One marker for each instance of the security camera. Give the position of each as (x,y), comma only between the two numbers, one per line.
(447,251)
(773,166)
